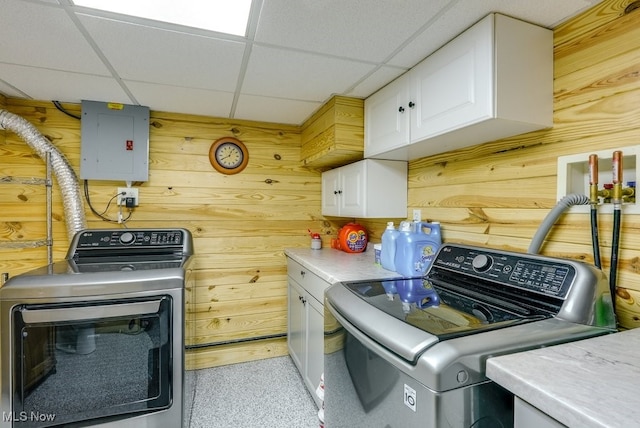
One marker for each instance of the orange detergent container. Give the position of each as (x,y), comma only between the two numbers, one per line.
(352,238)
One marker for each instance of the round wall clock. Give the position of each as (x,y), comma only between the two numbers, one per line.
(228,155)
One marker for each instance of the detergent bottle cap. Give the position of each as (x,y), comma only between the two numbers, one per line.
(406,226)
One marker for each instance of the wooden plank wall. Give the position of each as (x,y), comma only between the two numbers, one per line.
(495,194)
(498,193)
(241,223)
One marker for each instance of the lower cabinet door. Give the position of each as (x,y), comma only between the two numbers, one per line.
(296,328)
(315,346)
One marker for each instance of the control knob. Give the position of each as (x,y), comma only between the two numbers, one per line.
(482,263)
(127,238)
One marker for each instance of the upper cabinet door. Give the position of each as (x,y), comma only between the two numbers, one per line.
(352,182)
(387,118)
(330,192)
(370,188)
(454,87)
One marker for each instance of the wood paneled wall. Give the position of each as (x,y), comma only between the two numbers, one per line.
(241,223)
(498,193)
(494,194)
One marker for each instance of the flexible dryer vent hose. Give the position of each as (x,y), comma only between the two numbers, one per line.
(65,175)
(550,219)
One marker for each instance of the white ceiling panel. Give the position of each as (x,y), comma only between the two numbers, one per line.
(276,110)
(155,55)
(375,81)
(10,91)
(42,84)
(43,36)
(183,100)
(295,56)
(464,13)
(345,28)
(276,72)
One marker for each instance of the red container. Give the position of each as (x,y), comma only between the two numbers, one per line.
(352,238)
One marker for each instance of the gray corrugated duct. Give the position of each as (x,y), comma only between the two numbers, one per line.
(65,175)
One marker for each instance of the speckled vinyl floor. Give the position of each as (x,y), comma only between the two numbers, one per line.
(264,393)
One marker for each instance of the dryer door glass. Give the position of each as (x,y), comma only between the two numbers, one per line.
(87,361)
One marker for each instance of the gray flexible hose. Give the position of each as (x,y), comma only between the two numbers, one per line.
(65,175)
(550,219)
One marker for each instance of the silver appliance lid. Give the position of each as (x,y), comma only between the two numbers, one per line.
(471,290)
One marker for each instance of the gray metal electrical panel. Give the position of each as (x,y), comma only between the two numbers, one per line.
(114,142)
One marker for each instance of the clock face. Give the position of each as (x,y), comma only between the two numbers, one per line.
(228,155)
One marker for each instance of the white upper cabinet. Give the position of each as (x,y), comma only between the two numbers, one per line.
(369,188)
(493,81)
(387,118)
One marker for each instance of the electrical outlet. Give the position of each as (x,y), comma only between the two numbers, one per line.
(417,215)
(128,192)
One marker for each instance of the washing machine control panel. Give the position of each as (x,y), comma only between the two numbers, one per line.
(527,272)
(107,239)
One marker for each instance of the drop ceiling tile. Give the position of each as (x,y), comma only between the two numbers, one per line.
(305,51)
(157,55)
(43,35)
(464,14)
(298,75)
(375,81)
(275,110)
(183,100)
(9,90)
(44,84)
(358,29)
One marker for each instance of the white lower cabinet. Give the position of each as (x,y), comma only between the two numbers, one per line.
(305,322)
(370,188)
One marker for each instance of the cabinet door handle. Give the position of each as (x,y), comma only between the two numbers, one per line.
(412,104)
(339,192)
(303,273)
(335,192)
(401,109)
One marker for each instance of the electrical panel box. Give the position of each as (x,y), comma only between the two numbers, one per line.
(115,142)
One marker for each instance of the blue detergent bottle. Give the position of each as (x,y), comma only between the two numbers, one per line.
(388,254)
(427,245)
(403,259)
(416,247)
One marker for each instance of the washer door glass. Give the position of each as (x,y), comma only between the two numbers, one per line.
(91,360)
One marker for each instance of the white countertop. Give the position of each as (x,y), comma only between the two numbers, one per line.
(336,266)
(588,383)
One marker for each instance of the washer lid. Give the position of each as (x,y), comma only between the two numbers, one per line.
(392,333)
(443,310)
(407,316)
